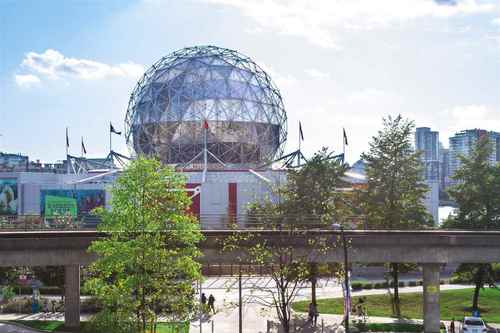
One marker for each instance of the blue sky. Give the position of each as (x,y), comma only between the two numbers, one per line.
(338,63)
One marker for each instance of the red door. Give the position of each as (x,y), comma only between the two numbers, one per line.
(195,199)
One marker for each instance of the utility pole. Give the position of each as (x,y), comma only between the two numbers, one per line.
(347,293)
(346,279)
(201,307)
(240,319)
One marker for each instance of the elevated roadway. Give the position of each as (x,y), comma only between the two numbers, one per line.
(431,249)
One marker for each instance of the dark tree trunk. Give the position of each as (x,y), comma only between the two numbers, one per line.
(285,318)
(314,281)
(395,279)
(313,290)
(479,282)
(475,297)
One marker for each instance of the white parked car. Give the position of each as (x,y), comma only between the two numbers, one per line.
(473,325)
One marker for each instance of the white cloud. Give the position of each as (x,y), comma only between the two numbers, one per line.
(282,81)
(496,21)
(316,73)
(54,65)
(467,117)
(372,96)
(27,80)
(321,21)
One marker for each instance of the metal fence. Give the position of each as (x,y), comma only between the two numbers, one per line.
(207,222)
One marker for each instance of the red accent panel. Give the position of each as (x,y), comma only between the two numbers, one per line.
(233,199)
(195,204)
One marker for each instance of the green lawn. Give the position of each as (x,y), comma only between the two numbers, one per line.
(454,304)
(53,325)
(395,327)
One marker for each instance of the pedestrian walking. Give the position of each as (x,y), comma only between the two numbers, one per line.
(452,325)
(211,303)
(203,300)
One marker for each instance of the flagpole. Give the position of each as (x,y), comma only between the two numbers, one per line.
(344,136)
(67,151)
(205,150)
(343,147)
(300,144)
(110,147)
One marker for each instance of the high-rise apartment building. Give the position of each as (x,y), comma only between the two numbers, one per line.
(427,142)
(463,142)
(444,164)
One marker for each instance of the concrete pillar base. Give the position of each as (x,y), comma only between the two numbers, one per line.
(72,297)
(431,298)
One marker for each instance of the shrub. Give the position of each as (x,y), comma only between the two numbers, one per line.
(442,282)
(401,284)
(7,293)
(18,305)
(109,322)
(378,285)
(385,284)
(357,286)
(496,271)
(420,283)
(90,305)
(412,283)
(368,286)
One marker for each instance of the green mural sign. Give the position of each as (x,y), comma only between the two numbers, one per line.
(60,206)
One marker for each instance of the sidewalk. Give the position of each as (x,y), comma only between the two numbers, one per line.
(7,328)
(255,316)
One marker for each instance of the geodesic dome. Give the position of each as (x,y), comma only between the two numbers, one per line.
(191,88)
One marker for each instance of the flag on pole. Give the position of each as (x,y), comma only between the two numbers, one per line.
(112,129)
(205,124)
(83,148)
(300,131)
(345,137)
(67,138)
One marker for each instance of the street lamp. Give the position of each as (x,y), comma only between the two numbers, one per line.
(346,275)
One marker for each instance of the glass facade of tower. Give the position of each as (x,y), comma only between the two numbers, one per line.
(427,142)
(463,142)
(444,162)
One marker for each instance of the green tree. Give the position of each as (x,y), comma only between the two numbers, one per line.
(307,199)
(312,193)
(396,189)
(146,266)
(477,194)
(312,197)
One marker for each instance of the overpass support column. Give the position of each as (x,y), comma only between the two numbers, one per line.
(431,297)
(72,296)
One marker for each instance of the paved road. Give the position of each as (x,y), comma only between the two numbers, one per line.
(6,328)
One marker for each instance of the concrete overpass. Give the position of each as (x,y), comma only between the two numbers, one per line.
(430,249)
